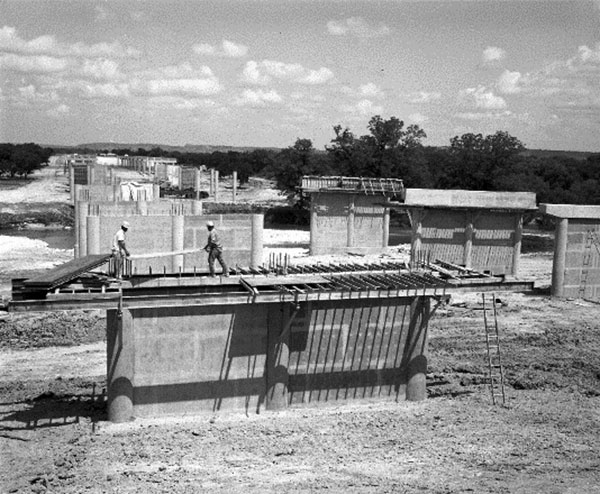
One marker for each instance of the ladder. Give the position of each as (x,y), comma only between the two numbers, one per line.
(591,238)
(492,342)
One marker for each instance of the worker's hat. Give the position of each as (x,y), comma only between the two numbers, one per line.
(210,223)
(125,224)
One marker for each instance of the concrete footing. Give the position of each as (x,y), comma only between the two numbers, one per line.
(180,360)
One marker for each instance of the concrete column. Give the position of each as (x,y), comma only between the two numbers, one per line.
(234,180)
(211,185)
(560,254)
(177,241)
(93,234)
(116,192)
(256,254)
(416,220)
(197,183)
(82,215)
(90,174)
(415,357)
(156,191)
(142,208)
(120,365)
(469,234)
(72,183)
(517,244)
(350,223)
(385,241)
(197,208)
(278,356)
(216,185)
(179,177)
(314,219)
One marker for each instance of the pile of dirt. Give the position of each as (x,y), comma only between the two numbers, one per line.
(37,330)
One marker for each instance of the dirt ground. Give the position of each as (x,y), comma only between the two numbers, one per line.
(54,436)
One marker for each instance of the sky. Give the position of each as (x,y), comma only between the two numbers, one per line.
(266,72)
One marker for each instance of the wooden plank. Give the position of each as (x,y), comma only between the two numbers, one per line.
(66,272)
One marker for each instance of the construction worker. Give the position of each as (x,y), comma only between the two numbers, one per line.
(119,250)
(215,250)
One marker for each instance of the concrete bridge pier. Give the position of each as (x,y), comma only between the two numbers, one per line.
(120,365)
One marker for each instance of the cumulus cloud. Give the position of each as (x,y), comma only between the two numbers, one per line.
(423,97)
(484,115)
(264,72)
(11,42)
(493,54)
(258,97)
(364,107)
(40,64)
(371,90)
(181,86)
(356,26)
(59,111)
(484,98)
(508,83)
(227,49)
(100,69)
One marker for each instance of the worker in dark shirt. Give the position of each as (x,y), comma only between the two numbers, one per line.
(215,250)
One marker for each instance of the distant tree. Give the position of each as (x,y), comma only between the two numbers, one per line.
(22,159)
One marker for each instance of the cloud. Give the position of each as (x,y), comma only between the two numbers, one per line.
(258,97)
(47,45)
(423,97)
(492,54)
(59,111)
(32,64)
(356,26)
(484,115)
(101,69)
(370,89)
(264,72)
(364,107)
(508,83)
(227,49)
(483,98)
(163,87)
(417,118)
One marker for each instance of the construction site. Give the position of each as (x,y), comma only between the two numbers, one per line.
(357,361)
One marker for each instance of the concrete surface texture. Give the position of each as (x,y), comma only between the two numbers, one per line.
(576,264)
(342,223)
(178,360)
(483,240)
(477,199)
(163,227)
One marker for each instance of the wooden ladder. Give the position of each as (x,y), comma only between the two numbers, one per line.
(492,342)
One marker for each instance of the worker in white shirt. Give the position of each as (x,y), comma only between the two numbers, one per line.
(215,250)
(119,249)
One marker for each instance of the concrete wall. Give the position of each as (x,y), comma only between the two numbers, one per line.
(181,360)
(343,223)
(576,266)
(481,240)
(156,229)
(480,230)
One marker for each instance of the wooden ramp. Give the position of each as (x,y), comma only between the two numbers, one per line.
(65,272)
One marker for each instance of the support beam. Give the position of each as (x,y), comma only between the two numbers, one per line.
(415,356)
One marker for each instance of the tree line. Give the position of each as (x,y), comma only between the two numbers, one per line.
(19,160)
(470,161)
